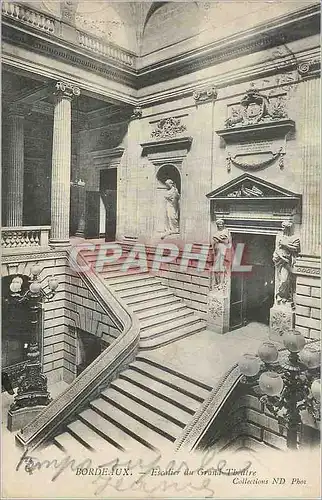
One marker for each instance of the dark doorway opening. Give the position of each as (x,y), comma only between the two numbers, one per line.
(252,293)
(89,347)
(108,191)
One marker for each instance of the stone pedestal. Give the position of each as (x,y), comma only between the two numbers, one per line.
(218,305)
(18,419)
(61,164)
(282,319)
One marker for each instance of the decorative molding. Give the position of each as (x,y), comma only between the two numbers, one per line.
(307,271)
(33,255)
(136,113)
(66,89)
(204,95)
(255,108)
(310,67)
(167,128)
(172,144)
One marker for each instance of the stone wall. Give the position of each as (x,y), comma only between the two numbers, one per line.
(243,422)
(308,303)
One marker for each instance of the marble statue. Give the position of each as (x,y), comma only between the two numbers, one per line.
(287,248)
(172,209)
(221,245)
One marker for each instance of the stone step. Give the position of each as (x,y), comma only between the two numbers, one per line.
(92,440)
(174,324)
(137,291)
(158,388)
(147,417)
(69,444)
(169,337)
(154,305)
(148,296)
(135,278)
(153,402)
(135,284)
(108,429)
(117,273)
(143,434)
(150,360)
(163,318)
(185,386)
(174,306)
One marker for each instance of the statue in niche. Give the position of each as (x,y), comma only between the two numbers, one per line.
(287,248)
(172,209)
(221,246)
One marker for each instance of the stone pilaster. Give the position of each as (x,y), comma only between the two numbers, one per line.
(61,164)
(15,168)
(310,138)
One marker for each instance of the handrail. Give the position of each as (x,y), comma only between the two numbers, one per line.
(209,410)
(101,371)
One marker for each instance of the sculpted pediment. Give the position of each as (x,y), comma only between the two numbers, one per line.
(251,187)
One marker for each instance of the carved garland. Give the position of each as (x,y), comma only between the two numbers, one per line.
(256,166)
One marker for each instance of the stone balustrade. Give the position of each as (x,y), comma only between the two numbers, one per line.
(48,24)
(108,50)
(28,16)
(24,236)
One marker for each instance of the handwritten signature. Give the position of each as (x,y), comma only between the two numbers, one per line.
(143,471)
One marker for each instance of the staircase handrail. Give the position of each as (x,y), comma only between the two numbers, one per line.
(208,411)
(100,372)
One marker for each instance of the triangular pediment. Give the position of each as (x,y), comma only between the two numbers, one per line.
(251,187)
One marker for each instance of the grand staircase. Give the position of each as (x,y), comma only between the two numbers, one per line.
(143,411)
(147,407)
(164,318)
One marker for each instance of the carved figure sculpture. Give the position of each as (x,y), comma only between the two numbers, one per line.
(172,209)
(221,245)
(286,250)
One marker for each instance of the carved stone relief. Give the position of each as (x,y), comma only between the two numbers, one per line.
(167,128)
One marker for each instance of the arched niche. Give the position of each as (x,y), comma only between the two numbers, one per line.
(164,173)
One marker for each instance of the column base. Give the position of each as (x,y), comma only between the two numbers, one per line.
(59,243)
(17,419)
(282,320)
(218,312)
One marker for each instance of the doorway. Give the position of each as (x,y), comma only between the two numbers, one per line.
(108,192)
(252,293)
(89,347)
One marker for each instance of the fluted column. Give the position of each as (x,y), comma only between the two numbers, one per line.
(311,214)
(15,168)
(61,163)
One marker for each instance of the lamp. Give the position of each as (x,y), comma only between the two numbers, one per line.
(290,384)
(32,389)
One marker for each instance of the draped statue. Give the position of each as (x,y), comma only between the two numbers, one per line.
(172,209)
(287,248)
(221,245)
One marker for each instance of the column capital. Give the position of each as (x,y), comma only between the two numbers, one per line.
(66,89)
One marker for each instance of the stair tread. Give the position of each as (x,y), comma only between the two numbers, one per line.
(131,424)
(71,445)
(144,297)
(165,317)
(129,278)
(133,283)
(171,379)
(163,308)
(93,439)
(138,291)
(154,401)
(169,337)
(154,303)
(172,324)
(162,389)
(111,430)
(149,416)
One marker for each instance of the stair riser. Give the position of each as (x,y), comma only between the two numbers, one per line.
(138,291)
(148,334)
(147,346)
(146,325)
(145,300)
(142,308)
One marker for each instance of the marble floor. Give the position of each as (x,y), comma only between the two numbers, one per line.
(207,355)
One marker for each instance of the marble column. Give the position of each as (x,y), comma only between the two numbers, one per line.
(61,164)
(310,129)
(15,177)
